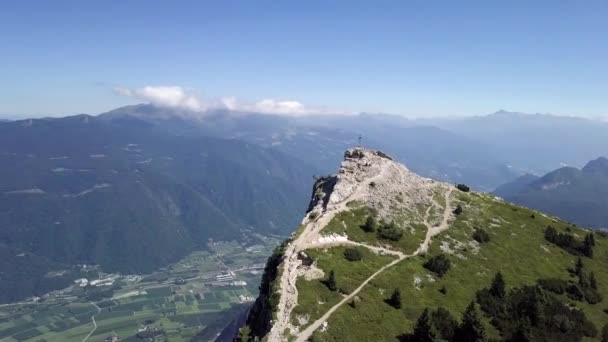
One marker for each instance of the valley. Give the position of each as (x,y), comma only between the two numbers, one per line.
(197,296)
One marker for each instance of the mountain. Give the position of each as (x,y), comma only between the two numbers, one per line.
(534,143)
(384,254)
(321,139)
(576,195)
(509,189)
(130,197)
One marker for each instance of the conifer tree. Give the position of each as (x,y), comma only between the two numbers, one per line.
(331,281)
(471,328)
(423,331)
(592,281)
(497,289)
(578,269)
(588,246)
(395,299)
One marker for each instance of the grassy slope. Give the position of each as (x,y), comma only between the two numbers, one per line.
(517,248)
(349,275)
(350,222)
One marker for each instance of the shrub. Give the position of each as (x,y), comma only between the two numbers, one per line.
(462,187)
(370,225)
(395,299)
(390,232)
(569,243)
(353,254)
(481,235)
(554,285)
(458,210)
(574,292)
(592,296)
(439,264)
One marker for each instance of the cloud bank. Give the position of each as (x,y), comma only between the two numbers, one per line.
(178,97)
(174,97)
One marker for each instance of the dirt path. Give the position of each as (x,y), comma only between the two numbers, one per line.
(431,231)
(94,323)
(289,291)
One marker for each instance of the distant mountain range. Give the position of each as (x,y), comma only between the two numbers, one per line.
(534,143)
(577,195)
(141,186)
(321,140)
(129,197)
(483,151)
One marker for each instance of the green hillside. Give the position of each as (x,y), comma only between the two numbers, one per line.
(129,197)
(498,272)
(517,248)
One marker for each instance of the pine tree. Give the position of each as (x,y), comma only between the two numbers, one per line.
(588,246)
(423,331)
(471,329)
(523,333)
(605,333)
(578,269)
(497,289)
(395,299)
(583,280)
(331,281)
(592,281)
(445,324)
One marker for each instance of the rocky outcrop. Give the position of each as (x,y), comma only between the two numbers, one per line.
(365,178)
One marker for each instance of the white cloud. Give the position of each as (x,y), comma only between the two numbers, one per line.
(178,97)
(172,96)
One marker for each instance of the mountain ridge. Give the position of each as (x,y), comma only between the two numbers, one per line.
(78,190)
(316,286)
(576,195)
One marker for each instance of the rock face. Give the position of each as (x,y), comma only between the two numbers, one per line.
(366,178)
(376,181)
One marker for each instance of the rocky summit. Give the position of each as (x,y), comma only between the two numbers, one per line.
(385,254)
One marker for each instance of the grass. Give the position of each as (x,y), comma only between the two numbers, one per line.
(314,298)
(182,319)
(517,248)
(350,222)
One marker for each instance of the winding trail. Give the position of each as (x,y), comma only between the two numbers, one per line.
(289,292)
(93,320)
(431,231)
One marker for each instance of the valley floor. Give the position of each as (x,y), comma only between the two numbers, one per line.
(198,295)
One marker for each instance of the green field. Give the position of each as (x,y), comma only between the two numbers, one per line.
(155,302)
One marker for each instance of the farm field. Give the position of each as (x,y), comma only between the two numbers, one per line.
(198,295)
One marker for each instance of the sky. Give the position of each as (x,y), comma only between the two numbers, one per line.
(415,58)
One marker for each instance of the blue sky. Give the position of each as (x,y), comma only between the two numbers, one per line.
(416,58)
